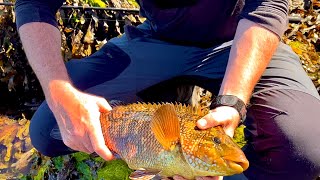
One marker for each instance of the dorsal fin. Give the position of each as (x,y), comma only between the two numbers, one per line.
(113,103)
(165,126)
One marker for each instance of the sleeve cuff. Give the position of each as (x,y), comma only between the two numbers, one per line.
(273,15)
(30,12)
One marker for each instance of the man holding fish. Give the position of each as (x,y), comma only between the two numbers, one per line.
(231,48)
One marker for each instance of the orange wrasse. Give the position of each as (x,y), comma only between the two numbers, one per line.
(162,140)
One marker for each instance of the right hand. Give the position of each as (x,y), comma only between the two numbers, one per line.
(77,114)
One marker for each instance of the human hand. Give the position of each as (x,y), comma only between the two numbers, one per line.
(225,116)
(77,115)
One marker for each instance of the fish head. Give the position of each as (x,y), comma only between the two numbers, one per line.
(212,152)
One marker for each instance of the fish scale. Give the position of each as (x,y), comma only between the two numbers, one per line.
(127,131)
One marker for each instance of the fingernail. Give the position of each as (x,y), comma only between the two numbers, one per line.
(202,122)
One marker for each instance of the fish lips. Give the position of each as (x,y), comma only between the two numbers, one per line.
(238,163)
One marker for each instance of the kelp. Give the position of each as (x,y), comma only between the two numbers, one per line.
(16,150)
(303,36)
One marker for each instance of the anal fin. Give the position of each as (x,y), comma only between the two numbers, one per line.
(145,175)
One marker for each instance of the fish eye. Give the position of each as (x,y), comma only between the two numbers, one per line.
(217,140)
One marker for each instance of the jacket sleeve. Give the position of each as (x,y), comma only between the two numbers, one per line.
(271,14)
(37,11)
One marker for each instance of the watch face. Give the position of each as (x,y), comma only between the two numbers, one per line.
(229,100)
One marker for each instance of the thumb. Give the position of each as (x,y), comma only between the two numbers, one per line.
(103,105)
(207,121)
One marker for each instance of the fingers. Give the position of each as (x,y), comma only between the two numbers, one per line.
(81,131)
(69,141)
(89,142)
(103,105)
(229,131)
(178,177)
(98,143)
(74,146)
(88,146)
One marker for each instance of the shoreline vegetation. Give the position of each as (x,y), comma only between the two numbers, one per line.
(84,32)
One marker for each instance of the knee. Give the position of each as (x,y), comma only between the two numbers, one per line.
(40,143)
(300,126)
(279,163)
(282,127)
(40,128)
(39,132)
(290,115)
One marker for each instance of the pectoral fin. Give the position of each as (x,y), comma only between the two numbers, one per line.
(165,126)
(145,175)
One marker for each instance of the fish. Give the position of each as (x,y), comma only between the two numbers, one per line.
(162,140)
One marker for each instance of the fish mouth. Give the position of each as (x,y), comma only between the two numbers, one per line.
(236,163)
(238,167)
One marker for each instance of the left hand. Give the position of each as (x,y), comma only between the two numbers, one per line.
(225,116)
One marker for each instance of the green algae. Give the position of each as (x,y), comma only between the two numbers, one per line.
(114,170)
(239,136)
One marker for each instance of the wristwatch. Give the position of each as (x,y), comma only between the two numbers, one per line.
(231,101)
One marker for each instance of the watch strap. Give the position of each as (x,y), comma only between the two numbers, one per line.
(231,101)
